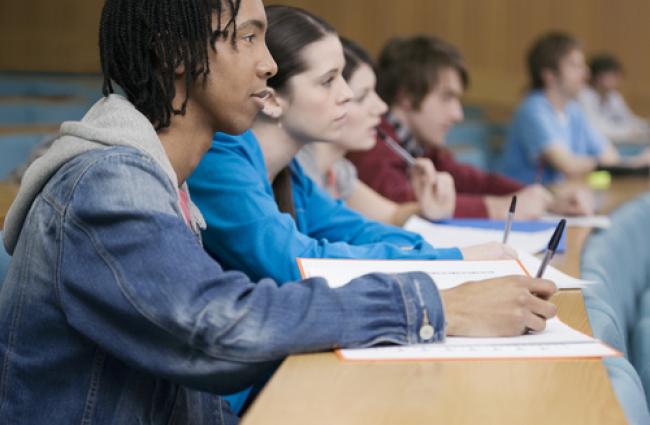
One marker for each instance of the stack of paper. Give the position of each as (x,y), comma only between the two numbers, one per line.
(440,235)
(557,341)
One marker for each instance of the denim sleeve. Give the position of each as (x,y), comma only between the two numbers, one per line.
(132,278)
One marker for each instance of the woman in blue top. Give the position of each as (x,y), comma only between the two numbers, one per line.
(246,228)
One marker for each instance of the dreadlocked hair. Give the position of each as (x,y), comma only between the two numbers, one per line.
(143,42)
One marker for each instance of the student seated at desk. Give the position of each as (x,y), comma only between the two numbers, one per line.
(262,211)
(112,312)
(325,162)
(550,137)
(605,106)
(422,78)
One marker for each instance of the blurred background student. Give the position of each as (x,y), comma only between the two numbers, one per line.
(550,137)
(422,79)
(605,106)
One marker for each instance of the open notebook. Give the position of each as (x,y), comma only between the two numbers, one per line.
(557,341)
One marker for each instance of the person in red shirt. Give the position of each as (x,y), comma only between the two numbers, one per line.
(422,79)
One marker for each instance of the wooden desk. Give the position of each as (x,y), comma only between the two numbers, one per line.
(28,129)
(7,194)
(319,389)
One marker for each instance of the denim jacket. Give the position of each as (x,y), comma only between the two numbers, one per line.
(112,313)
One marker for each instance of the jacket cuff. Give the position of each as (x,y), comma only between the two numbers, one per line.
(425,316)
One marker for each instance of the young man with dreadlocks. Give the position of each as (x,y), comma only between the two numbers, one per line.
(112,313)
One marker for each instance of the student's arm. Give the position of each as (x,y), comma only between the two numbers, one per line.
(470,206)
(247,232)
(572,166)
(372,205)
(435,193)
(598,149)
(133,279)
(576,166)
(332,220)
(385,172)
(471,180)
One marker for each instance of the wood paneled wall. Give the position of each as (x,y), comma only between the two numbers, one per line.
(493,35)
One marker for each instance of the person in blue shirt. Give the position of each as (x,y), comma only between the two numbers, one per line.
(550,137)
(261,210)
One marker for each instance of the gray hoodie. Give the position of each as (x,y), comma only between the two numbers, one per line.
(112,121)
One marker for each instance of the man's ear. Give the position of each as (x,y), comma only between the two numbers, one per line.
(274,105)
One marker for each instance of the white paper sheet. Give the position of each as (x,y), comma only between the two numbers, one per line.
(562,280)
(557,341)
(446,273)
(441,236)
(595,221)
(442,352)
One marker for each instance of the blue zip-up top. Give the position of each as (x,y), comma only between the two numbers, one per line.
(246,231)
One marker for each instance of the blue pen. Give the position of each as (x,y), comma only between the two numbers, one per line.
(552,246)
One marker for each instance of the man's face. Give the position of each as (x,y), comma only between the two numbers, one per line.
(608,81)
(439,111)
(235,88)
(572,73)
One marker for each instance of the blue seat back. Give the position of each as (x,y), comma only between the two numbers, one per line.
(618,305)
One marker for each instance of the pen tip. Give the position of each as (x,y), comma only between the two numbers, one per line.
(513,204)
(557,235)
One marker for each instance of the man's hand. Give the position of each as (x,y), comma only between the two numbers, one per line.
(434,191)
(505,306)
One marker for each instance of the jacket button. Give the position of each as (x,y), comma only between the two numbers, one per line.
(426,332)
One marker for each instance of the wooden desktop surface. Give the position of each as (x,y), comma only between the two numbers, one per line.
(7,194)
(320,389)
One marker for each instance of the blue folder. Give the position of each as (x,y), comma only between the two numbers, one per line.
(517,225)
